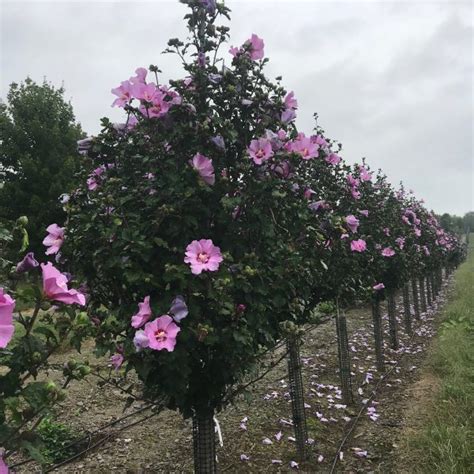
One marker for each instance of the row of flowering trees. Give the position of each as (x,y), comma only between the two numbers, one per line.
(202,226)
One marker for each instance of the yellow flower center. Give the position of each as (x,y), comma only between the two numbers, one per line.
(160,335)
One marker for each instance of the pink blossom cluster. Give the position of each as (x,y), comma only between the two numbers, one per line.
(160,333)
(353,186)
(155,101)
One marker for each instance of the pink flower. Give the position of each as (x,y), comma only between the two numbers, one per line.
(316,206)
(400,241)
(386,231)
(124,93)
(55,286)
(282,169)
(144,91)
(28,263)
(7,304)
(319,140)
(117,360)
(291,104)
(364,212)
(3,467)
(358,245)
(364,174)
(352,222)
(333,159)
(260,150)
(234,51)
(388,252)
(161,333)
(159,106)
(290,101)
(304,146)
(308,192)
(54,239)
(143,315)
(140,340)
(94,178)
(140,77)
(203,165)
(203,255)
(354,182)
(417,232)
(179,309)
(256,47)
(378,286)
(355,194)
(92,183)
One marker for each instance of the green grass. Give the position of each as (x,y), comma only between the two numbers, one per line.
(445,441)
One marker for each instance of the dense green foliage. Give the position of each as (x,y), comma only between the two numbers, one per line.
(38,157)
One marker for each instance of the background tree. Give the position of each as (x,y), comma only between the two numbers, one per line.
(468,221)
(38,157)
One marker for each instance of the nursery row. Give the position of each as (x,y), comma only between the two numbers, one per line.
(202,231)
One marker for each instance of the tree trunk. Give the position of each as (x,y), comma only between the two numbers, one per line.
(429,298)
(416,301)
(424,305)
(344,356)
(204,441)
(378,335)
(297,395)
(392,320)
(406,309)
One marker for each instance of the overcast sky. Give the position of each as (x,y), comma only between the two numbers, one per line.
(393,81)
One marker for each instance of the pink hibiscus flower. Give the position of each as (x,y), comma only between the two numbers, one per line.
(333,159)
(124,93)
(140,77)
(117,360)
(352,222)
(358,245)
(388,252)
(143,315)
(256,47)
(7,304)
(161,333)
(378,286)
(260,150)
(355,193)
(354,182)
(304,146)
(55,286)
(291,104)
(54,239)
(144,91)
(400,241)
(140,340)
(203,255)
(203,165)
(364,174)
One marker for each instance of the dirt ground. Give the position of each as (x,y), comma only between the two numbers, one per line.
(257,432)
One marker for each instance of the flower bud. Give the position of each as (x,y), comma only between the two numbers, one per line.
(22,221)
